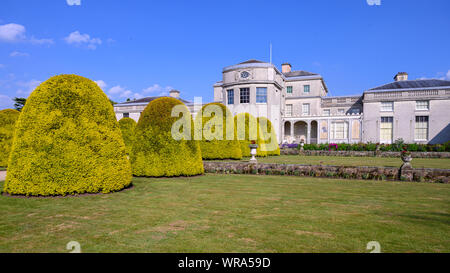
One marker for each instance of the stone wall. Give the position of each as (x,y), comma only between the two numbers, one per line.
(364,153)
(346,172)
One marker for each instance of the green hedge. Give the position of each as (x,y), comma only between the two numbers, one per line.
(269,137)
(213,148)
(155,152)
(8,118)
(383,147)
(67,141)
(127,126)
(245,136)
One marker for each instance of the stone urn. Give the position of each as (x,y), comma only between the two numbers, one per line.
(406,158)
(253,147)
(302,143)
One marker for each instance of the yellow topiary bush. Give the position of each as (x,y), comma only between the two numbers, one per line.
(67,141)
(268,137)
(8,118)
(248,130)
(127,126)
(155,151)
(217,145)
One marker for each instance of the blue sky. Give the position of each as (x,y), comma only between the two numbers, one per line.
(144,48)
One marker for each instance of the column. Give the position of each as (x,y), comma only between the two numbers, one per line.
(292,129)
(308,134)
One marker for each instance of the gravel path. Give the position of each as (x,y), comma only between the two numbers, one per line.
(2,175)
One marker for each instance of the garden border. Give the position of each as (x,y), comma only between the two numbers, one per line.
(344,172)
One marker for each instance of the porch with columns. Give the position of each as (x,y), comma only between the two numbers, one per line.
(295,130)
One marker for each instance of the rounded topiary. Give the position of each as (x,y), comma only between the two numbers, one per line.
(127,126)
(157,151)
(8,118)
(248,131)
(268,136)
(217,134)
(67,141)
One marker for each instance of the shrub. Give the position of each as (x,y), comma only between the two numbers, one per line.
(127,126)
(247,133)
(269,136)
(67,141)
(220,147)
(156,151)
(8,118)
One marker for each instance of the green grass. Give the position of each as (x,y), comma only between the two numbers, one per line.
(235,213)
(2,168)
(438,163)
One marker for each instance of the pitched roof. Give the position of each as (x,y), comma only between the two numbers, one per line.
(412,84)
(252,61)
(299,73)
(147,100)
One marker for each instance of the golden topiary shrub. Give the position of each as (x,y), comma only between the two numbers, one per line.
(217,142)
(268,136)
(8,118)
(127,126)
(248,130)
(67,141)
(156,152)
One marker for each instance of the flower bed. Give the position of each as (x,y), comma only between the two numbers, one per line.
(395,147)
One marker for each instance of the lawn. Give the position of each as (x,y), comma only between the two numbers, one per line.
(235,213)
(438,163)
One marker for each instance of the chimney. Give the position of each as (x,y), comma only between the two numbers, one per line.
(174,93)
(286,68)
(401,76)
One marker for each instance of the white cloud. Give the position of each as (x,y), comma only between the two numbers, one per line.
(16,33)
(119,91)
(73,2)
(12,32)
(156,88)
(27,87)
(440,76)
(19,54)
(5,102)
(101,84)
(447,76)
(76,38)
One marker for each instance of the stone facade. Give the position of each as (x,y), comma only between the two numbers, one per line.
(297,104)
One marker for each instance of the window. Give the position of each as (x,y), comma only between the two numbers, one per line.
(289,89)
(421,130)
(422,105)
(340,130)
(306,88)
(342,100)
(386,129)
(288,110)
(261,95)
(341,111)
(230,96)
(326,112)
(356,111)
(245,95)
(387,106)
(305,109)
(126,115)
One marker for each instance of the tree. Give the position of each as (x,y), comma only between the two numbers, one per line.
(67,141)
(127,126)
(268,136)
(158,149)
(19,103)
(247,131)
(217,134)
(8,118)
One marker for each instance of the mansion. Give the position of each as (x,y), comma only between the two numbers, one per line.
(298,105)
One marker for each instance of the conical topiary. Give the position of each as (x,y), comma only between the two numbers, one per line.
(127,126)
(217,135)
(157,150)
(248,131)
(67,141)
(8,118)
(268,136)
